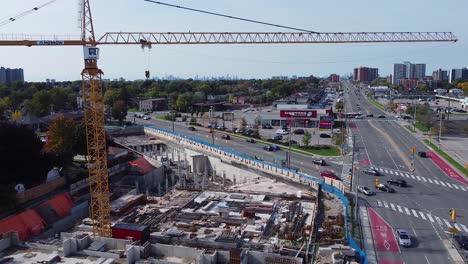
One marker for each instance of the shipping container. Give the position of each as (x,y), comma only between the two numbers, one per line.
(135,232)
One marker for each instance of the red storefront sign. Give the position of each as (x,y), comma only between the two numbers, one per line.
(299,114)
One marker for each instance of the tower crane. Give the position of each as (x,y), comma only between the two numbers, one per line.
(92,83)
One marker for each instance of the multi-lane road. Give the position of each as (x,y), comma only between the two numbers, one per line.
(423,207)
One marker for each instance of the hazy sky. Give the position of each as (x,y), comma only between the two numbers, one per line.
(247,61)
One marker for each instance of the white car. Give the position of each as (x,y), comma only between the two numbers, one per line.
(364,190)
(281,132)
(146,118)
(403,237)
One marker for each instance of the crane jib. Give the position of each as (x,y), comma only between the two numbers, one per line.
(50,42)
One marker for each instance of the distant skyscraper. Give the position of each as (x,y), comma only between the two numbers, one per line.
(334,78)
(440,76)
(365,74)
(8,75)
(459,74)
(407,70)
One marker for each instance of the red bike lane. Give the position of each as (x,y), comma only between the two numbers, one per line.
(384,238)
(446,167)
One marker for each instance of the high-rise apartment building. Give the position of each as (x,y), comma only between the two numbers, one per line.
(334,78)
(459,74)
(408,70)
(365,74)
(8,75)
(440,76)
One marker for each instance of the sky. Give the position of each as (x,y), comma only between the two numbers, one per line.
(244,61)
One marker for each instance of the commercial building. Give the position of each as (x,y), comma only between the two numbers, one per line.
(440,75)
(408,83)
(459,74)
(365,74)
(334,78)
(8,75)
(408,70)
(157,104)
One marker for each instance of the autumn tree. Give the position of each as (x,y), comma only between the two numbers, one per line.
(306,139)
(61,140)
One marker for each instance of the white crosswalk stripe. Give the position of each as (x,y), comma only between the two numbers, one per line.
(447,223)
(385,204)
(438,220)
(430,218)
(457,226)
(424,179)
(422,215)
(449,185)
(386,171)
(419,178)
(463,188)
(414,212)
(443,184)
(464,227)
(456,187)
(430,180)
(407,175)
(399,209)
(407,211)
(379,203)
(412,176)
(393,207)
(436,182)
(397,173)
(391,172)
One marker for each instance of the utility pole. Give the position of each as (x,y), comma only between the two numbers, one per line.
(352,166)
(173,120)
(211,122)
(289,146)
(414,115)
(440,127)
(356,196)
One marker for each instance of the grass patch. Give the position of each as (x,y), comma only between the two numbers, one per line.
(377,104)
(332,151)
(133,110)
(422,127)
(447,157)
(161,118)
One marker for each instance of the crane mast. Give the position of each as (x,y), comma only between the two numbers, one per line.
(95,134)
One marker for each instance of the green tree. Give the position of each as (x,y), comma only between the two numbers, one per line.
(256,129)
(61,140)
(80,144)
(306,139)
(339,107)
(110,96)
(40,104)
(119,110)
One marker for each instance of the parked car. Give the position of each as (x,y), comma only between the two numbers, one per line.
(371,172)
(281,132)
(381,116)
(250,140)
(397,182)
(320,162)
(364,190)
(221,128)
(422,154)
(225,136)
(369,115)
(403,237)
(240,130)
(461,241)
(248,132)
(299,131)
(323,135)
(268,148)
(267,126)
(146,118)
(191,128)
(277,137)
(385,188)
(276,147)
(329,174)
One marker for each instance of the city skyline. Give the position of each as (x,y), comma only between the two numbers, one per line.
(244,61)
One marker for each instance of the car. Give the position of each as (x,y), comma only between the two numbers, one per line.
(299,131)
(385,188)
(275,147)
(191,128)
(320,162)
(323,135)
(250,140)
(281,132)
(225,136)
(267,126)
(422,154)
(146,118)
(369,115)
(360,117)
(364,190)
(397,182)
(277,137)
(240,131)
(268,148)
(403,238)
(371,172)
(381,116)
(329,174)
(221,128)
(461,241)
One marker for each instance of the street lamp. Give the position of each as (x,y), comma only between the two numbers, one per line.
(211,122)
(173,112)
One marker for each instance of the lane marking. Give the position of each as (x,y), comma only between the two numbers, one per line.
(437,182)
(419,178)
(443,184)
(393,207)
(449,185)
(414,212)
(464,227)
(385,204)
(430,218)
(391,172)
(456,187)
(407,175)
(463,188)
(399,209)
(407,211)
(422,215)
(379,203)
(430,180)
(457,227)
(424,179)
(412,176)
(447,223)
(438,220)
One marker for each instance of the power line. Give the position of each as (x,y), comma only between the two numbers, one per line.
(231,17)
(8,20)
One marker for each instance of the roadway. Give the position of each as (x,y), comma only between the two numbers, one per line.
(423,207)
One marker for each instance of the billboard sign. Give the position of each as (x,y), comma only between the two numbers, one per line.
(299,114)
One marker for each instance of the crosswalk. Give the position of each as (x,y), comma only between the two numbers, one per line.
(424,216)
(409,175)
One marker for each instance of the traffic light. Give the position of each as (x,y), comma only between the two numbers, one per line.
(413,150)
(466,166)
(453,214)
(377,181)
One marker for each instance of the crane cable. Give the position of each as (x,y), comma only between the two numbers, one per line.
(228,16)
(8,20)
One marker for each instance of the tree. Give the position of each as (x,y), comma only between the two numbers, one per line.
(16,115)
(339,107)
(119,110)
(61,140)
(256,129)
(40,104)
(306,139)
(80,144)
(110,96)
(243,123)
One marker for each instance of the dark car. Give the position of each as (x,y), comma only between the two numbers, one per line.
(249,132)
(221,128)
(371,172)
(268,148)
(461,241)
(225,136)
(323,135)
(422,154)
(385,188)
(381,116)
(275,147)
(191,128)
(329,174)
(277,137)
(250,140)
(397,182)
(320,162)
(369,115)
(299,131)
